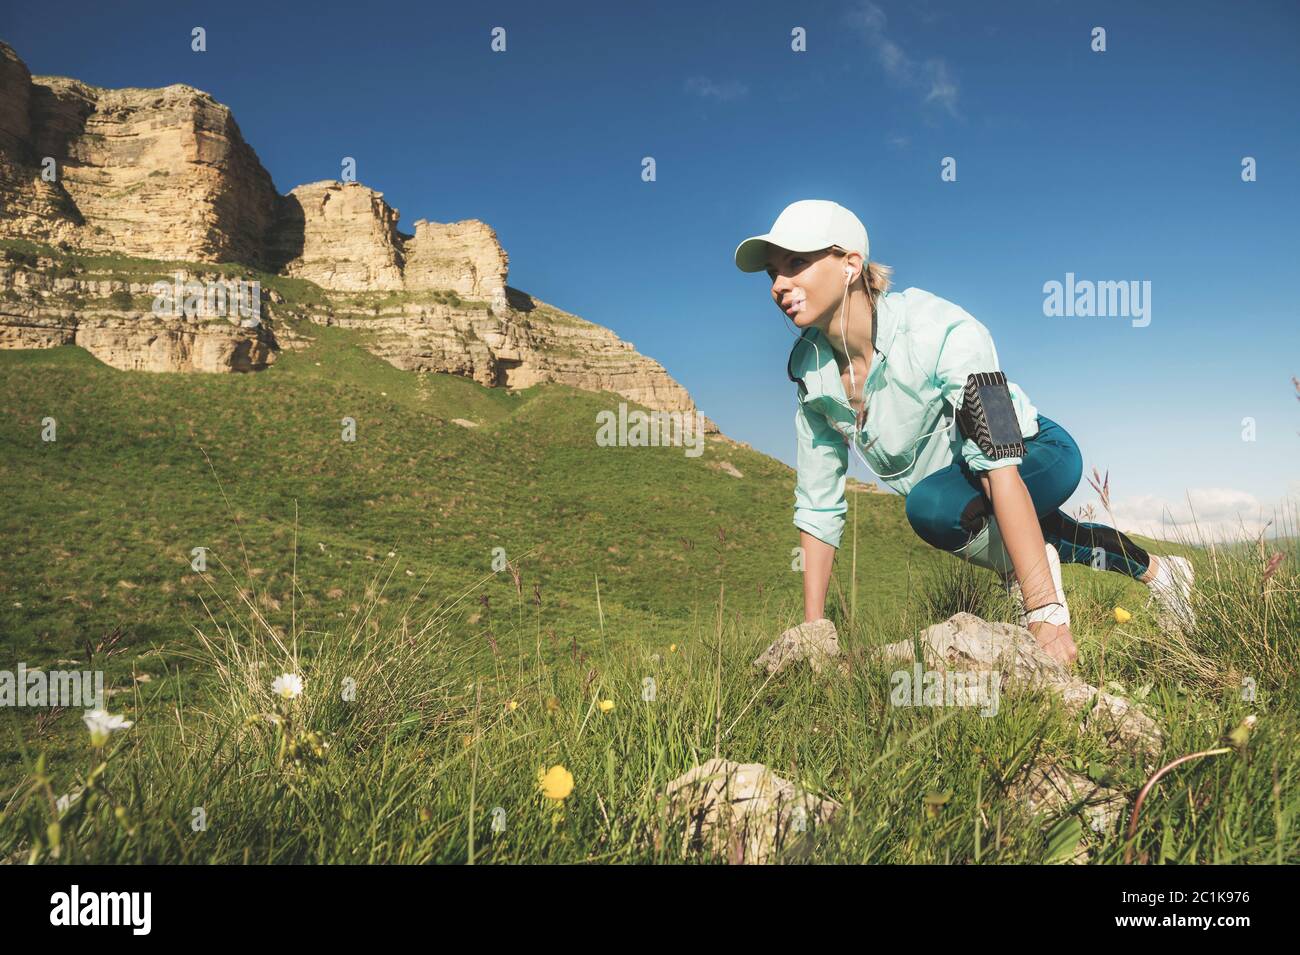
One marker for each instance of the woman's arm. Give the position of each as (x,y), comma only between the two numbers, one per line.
(1023,537)
(818,556)
(819,503)
(1021,532)
(966,349)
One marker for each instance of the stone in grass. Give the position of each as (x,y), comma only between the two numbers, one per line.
(967,642)
(815,641)
(743,812)
(1048,790)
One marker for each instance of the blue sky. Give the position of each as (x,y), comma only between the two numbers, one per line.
(1122,165)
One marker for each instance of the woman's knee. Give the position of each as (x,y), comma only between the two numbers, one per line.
(934,518)
(1052,468)
(1071,465)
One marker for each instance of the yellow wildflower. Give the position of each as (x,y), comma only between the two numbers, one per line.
(555,783)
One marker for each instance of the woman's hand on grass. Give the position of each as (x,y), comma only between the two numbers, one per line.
(1056,641)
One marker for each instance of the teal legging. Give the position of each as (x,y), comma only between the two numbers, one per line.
(948,507)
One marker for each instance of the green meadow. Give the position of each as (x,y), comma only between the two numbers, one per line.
(460,600)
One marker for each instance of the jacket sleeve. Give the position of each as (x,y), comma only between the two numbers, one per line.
(968,348)
(823,462)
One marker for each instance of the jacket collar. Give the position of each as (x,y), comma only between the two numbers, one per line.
(812,365)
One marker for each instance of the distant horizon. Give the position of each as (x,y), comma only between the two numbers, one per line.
(1071,165)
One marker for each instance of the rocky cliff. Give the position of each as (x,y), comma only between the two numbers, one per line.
(44,302)
(159,173)
(344,236)
(95,180)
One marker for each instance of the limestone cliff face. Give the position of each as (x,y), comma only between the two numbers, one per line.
(113,320)
(16,81)
(340,236)
(344,236)
(166,174)
(29,205)
(154,173)
(462,256)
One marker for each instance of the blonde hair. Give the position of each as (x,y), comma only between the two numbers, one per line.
(877,275)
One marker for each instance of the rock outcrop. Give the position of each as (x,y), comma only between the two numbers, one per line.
(964,642)
(341,236)
(29,205)
(530,343)
(165,174)
(967,644)
(464,256)
(160,173)
(743,812)
(344,236)
(114,321)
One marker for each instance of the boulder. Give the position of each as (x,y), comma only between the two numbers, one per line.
(743,812)
(815,641)
(967,642)
(1047,789)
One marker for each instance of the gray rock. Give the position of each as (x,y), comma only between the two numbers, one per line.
(743,812)
(967,642)
(1049,790)
(817,642)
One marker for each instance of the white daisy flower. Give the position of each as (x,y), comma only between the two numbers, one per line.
(102,725)
(287,686)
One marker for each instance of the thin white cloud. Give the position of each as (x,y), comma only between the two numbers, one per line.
(706,88)
(1208,514)
(930,77)
(943,88)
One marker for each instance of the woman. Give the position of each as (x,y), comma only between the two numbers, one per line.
(911,382)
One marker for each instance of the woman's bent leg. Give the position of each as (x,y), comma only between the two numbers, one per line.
(937,506)
(1096,545)
(948,508)
(1054,466)
(1099,546)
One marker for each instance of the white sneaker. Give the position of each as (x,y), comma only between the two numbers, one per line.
(1171,588)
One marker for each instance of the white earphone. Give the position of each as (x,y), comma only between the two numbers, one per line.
(853,386)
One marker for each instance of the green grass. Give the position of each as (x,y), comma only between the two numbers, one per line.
(631,550)
(100,524)
(428,747)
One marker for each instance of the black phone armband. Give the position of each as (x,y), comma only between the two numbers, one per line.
(988,416)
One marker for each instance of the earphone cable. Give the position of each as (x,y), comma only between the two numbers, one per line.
(853,439)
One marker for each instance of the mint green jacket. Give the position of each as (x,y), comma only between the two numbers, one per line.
(925,348)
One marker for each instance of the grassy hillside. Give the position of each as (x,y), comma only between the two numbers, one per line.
(100,524)
(644,560)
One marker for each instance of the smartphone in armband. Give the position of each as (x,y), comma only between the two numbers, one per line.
(988,416)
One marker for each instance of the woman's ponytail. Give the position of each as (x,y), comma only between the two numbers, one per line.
(878,279)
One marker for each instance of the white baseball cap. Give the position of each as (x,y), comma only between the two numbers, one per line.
(808,225)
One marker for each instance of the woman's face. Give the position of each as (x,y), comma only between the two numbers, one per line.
(807,286)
